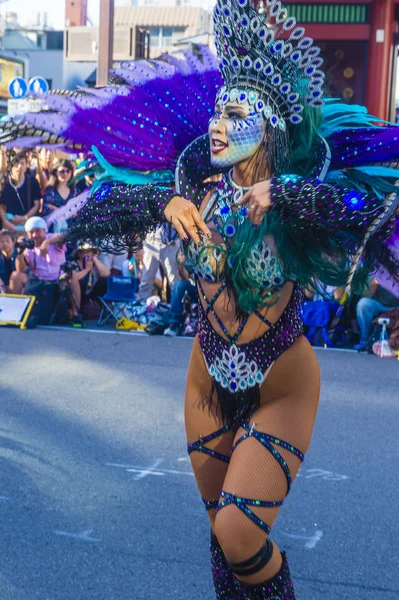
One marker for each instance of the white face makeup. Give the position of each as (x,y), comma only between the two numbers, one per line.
(235,133)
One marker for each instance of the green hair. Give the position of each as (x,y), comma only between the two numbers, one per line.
(303,256)
(309,257)
(304,138)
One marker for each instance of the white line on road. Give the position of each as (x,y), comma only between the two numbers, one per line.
(326,475)
(142,473)
(152,470)
(310,541)
(84,536)
(316,538)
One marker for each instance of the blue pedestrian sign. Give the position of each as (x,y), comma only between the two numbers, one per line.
(38,86)
(18,88)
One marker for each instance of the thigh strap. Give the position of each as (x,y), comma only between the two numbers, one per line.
(199,445)
(267,442)
(244,504)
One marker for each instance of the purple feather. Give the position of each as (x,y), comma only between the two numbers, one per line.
(142,126)
(356,147)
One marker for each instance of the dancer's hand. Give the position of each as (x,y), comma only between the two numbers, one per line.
(258,200)
(185,218)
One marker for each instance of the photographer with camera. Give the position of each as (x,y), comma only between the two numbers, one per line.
(90,272)
(21,195)
(41,262)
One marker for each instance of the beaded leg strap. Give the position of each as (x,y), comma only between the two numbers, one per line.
(200,446)
(267,442)
(256,563)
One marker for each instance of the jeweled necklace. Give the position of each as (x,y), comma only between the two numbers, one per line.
(228,195)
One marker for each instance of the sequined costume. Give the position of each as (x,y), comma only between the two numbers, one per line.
(332,208)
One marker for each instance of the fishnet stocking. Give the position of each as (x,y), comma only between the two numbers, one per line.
(289,400)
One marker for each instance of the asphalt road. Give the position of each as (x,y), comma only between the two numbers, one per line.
(98,502)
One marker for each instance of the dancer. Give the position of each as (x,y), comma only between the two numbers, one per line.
(295,205)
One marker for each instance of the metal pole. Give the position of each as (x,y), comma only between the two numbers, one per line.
(105,41)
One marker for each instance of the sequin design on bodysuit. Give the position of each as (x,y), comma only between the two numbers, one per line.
(233,371)
(265,268)
(237,367)
(208,261)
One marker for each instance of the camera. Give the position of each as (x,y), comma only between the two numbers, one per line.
(25,245)
(384,321)
(67,268)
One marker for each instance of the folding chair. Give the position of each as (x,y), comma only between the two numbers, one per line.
(120,292)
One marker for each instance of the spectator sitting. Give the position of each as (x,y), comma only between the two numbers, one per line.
(20,198)
(91,273)
(383,294)
(44,263)
(59,191)
(179,291)
(8,254)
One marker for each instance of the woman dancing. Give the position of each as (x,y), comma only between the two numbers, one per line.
(274,198)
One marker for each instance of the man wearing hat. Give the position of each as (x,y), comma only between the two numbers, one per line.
(43,262)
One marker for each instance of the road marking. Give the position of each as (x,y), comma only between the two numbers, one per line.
(326,475)
(310,541)
(143,472)
(84,536)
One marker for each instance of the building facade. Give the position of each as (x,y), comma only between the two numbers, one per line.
(29,53)
(166,26)
(75,13)
(359,39)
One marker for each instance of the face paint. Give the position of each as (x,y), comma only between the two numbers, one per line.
(235,133)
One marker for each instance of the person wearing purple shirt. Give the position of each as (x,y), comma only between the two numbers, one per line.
(383,295)
(44,260)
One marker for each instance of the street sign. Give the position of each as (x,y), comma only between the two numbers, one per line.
(18,87)
(38,86)
(18,107)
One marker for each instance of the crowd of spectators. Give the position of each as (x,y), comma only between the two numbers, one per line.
(35,260)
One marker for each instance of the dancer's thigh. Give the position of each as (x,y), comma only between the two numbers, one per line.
(200,422)
(289,401)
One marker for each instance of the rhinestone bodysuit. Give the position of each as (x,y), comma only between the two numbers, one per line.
(233,366)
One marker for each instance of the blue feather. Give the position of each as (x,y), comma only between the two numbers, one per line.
(379,171)
(123,175)
(338,116)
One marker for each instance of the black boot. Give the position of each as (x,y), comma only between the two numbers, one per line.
(225,583)
(279,587)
